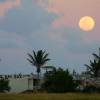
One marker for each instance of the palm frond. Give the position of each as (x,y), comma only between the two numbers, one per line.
(96,56)
(45,60)
(45,56)
(31,57)
(35,55)
(94,67)
(30,61)
(88,67)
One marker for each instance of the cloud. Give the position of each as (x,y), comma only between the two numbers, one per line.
(14,60)
(57,38)
(29,19)
(12,40)
(46,25)
(69,11)
(8,4)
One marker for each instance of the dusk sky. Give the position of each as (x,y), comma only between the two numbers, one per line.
(51,25)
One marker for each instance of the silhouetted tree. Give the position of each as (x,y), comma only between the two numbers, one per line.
(94,68)
(4,85)
(59,80)
(38,59)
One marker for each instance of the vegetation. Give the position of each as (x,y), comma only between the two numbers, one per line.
(91,89)
(94,68)
(4,85)
(68,96)
(38,59)
(59,80)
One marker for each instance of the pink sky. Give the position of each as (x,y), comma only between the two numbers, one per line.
(8,5)
(47,24)
(69,13)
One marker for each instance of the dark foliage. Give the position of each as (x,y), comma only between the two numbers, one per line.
(94,68)
(38,59)
(4,85)
(59,81)
(91,89)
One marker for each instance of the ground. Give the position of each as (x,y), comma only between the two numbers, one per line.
(67,96)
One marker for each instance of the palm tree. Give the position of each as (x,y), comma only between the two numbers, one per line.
(94,68)
(38,59)
(97,56)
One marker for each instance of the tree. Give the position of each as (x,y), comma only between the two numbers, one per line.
(94,68)
(58,80)
(4,85)
(38,59)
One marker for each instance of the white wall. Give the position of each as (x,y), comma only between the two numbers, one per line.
(30,84)
(20,84)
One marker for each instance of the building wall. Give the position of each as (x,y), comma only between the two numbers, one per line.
(30,84)
(20,84)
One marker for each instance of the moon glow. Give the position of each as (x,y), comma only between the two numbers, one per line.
(86,23)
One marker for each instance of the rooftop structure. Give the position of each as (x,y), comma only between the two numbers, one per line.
(20,83)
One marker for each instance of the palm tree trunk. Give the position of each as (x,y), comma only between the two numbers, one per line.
(38,80)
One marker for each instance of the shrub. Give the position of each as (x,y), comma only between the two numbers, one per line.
(59,81)
(91,89)
(4,85)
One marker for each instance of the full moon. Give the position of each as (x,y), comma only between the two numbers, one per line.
(86,23)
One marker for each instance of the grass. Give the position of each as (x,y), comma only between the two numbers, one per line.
(67,96)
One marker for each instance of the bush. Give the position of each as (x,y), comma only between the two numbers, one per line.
(91,89)
(4,85)
(59,81)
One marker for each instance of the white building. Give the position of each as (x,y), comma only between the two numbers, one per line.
(20,83)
